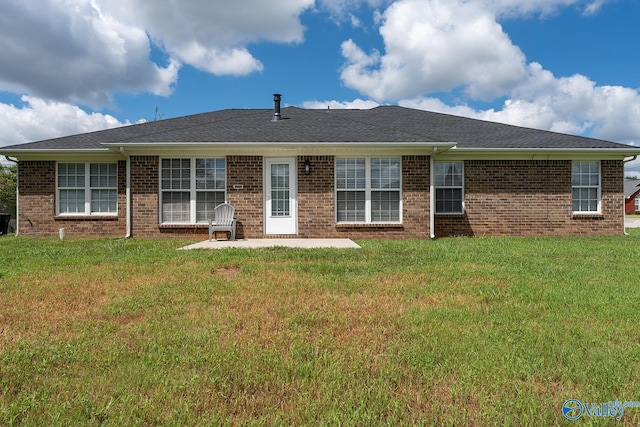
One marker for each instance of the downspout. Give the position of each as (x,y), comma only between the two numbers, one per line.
(432,195)
(127,194)
(17,195)
(624,213)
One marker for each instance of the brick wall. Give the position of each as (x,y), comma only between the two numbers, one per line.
(316,202)
(145,175)
(37,216)
(316,199)
(245,193)
(526,198)
(501,198)
(415,196)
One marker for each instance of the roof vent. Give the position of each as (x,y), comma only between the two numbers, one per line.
(276,107)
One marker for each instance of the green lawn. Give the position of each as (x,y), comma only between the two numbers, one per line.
(456,331)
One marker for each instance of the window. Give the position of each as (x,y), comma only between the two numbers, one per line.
(449,177)
(636,204)
(368,190)
(191,189)
(280,190)
(87,188)
(585,182)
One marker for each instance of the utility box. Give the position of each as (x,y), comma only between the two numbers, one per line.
(4,223)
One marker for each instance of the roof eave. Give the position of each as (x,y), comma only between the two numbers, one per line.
(538,153)
(624,149)
(257,148)
(31,154)
(437,148)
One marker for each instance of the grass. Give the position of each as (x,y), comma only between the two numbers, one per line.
(457,331)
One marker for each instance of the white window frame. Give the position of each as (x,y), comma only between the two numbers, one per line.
(367,190)
(587,186)
(87,188)
(449,187)
(192,190)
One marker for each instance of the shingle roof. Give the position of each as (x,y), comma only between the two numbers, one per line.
(631,187)
(386,124)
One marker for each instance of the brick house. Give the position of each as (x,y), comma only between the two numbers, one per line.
(631,200)
(389,172)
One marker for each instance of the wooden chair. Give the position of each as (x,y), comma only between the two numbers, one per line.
(223,221)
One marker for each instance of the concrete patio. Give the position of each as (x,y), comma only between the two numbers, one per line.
(268,243)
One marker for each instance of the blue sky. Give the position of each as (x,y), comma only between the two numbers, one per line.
(71,66)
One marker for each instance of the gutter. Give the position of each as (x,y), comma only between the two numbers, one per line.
(128,194)
(288,148)
(624,149)
(31,154)
(17,195)
(282,144)
(624,213)
(432,197)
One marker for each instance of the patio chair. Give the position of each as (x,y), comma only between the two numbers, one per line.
(223,221)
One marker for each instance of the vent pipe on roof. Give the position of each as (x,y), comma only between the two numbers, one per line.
(276,107)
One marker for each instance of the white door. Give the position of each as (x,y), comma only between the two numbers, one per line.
(280,196)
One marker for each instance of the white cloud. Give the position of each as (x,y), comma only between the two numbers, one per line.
(541,7)
(85,50)
(70,50)
(38,119)
(357,104)
(342,9)
(438,45)
(212,35)
(433,45)
(355,21)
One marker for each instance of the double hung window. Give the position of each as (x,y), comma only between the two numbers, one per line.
(190,189)
(368,190)
(87,188)
(585,187)
(449,183)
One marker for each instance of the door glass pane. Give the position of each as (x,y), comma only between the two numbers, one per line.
(280,190)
